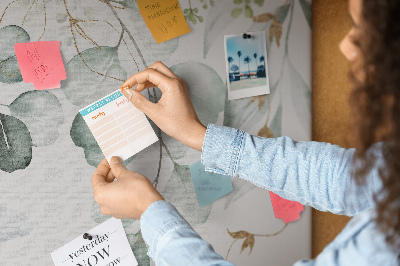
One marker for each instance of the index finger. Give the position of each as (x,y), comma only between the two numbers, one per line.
(160,67)
(100,174)
(159,80)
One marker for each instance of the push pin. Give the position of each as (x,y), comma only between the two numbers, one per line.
(246,36)
(87,236)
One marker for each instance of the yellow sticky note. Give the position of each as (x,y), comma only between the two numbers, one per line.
(164,18)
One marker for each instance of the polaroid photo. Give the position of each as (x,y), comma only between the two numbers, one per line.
(246,65)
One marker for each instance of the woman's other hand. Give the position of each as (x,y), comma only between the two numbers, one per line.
(127,197)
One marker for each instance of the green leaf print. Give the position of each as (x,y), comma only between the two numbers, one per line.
(15,144)
(306,7)
(9,36)
(96,73)
(42,113)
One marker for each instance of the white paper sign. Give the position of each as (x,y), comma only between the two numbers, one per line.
(108,247)
(118,126)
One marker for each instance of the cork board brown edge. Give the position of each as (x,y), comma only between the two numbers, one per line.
(330,108)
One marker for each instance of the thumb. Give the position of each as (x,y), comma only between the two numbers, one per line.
(117,168)
(138,100)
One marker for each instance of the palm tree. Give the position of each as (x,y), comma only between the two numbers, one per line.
(230,60)
(247,60)
(262,59)
(255,58)
(239,54)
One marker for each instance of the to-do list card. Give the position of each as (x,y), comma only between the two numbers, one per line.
(118,126)
(108,246)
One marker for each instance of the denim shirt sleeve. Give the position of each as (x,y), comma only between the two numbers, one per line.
(312,173)
(172,241)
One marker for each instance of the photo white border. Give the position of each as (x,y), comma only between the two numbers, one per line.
(248,92)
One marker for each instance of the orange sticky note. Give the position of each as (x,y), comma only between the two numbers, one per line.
(164,18)
(41,64)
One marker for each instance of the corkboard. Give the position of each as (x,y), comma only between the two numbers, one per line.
(330,108)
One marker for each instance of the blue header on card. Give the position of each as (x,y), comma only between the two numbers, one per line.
(101,103)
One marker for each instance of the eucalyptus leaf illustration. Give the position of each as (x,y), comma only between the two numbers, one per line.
(306,7)
(91,72)
(179,190)
(10,72)
(259,2)
(15,144)
(248,11)
(282,12)
(240,187)
(60,17)
(9,36)
(272,23)
(245,112)
(207,103)
(207,90)
(139,248)
(276,124)
(14,224)
(300,94)
(83,137)
(217,20)
(41,112)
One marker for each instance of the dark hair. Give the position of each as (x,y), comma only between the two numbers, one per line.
(375,103)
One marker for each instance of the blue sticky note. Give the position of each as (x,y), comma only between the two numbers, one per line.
(209,186)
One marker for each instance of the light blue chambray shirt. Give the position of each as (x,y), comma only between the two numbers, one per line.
(312,173)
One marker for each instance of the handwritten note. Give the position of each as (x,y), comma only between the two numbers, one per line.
(41,64)
(209,186)
(109,246)
(164,18)
(288,211)
(118,126)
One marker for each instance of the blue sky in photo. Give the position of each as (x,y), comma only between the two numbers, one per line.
(248,47)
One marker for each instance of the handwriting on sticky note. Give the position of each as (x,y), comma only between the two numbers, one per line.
(164,18)
(41,64)
(209,186)
(118,126)
(284,209)
(108,246)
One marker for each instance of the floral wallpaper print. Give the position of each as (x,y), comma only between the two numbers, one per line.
(48,154)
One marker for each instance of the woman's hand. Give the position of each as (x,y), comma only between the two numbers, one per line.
(174,113)
(127,197)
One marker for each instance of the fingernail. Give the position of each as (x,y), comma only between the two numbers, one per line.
(128,94)
(115,160)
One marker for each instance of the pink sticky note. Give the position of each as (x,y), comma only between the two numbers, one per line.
(41,64)
(284,209)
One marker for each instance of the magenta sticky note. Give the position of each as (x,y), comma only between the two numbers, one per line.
(41,64)
(284,209)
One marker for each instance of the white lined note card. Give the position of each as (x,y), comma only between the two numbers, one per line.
(118,126)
